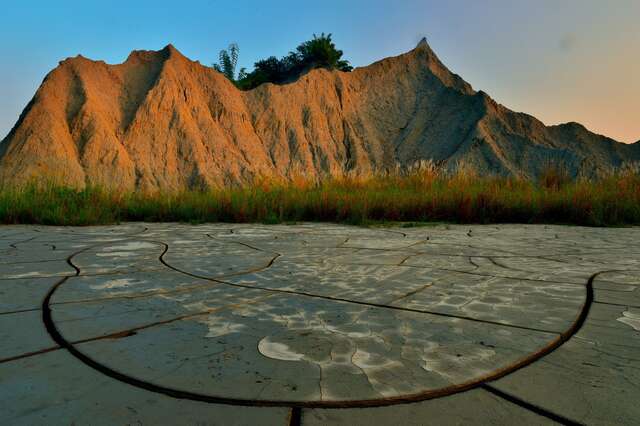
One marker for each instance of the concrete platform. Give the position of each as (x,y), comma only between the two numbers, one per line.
(319,324)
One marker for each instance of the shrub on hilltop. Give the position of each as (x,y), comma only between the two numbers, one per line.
(319,52)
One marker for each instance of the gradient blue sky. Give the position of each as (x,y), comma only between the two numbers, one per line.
(560,60)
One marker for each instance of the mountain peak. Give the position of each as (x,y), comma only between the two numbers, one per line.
(423,46)
(425,56)
(169,51)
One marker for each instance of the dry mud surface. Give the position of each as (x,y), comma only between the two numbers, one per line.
(319,323)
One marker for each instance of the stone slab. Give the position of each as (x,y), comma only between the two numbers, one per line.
(22,333)
(54,388)
(594,377)
(468,408)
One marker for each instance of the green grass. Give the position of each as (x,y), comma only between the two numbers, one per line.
(414,200)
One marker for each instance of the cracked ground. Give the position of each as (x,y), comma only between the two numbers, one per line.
(319,324)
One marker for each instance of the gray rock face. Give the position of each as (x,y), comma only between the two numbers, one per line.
(161,121)
(318,323)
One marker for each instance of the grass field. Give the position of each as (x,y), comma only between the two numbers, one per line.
(410,199)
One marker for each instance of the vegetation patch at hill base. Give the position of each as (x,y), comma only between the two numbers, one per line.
(408,200)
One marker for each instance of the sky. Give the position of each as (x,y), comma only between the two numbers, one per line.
(559,60)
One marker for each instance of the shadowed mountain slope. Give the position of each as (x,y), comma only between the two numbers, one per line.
(162,121)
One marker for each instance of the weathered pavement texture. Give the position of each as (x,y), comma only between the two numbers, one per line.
(319,324)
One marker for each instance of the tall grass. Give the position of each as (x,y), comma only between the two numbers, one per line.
(420,196)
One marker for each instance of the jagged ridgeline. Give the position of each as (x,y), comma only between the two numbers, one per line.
(162,121)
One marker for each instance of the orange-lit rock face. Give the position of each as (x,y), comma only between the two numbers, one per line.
(162,121)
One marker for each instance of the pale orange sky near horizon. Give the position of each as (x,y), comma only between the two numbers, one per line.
(593,77)
(558,60)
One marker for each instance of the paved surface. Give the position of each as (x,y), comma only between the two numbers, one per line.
(317,323)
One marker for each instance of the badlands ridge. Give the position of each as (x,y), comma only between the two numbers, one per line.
(162,121)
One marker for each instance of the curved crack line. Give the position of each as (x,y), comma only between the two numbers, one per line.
(13,245)
(391,231)
(474,264)
(60,282)
(184,289)
(411,293)
(339,299)
(401,263)
(133,330)
(406,265)
(449,390)
(501,276)
(242,243)
(392,250)
(553,260)
(502,266)
(516,253)
(511,268)
(482,256)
